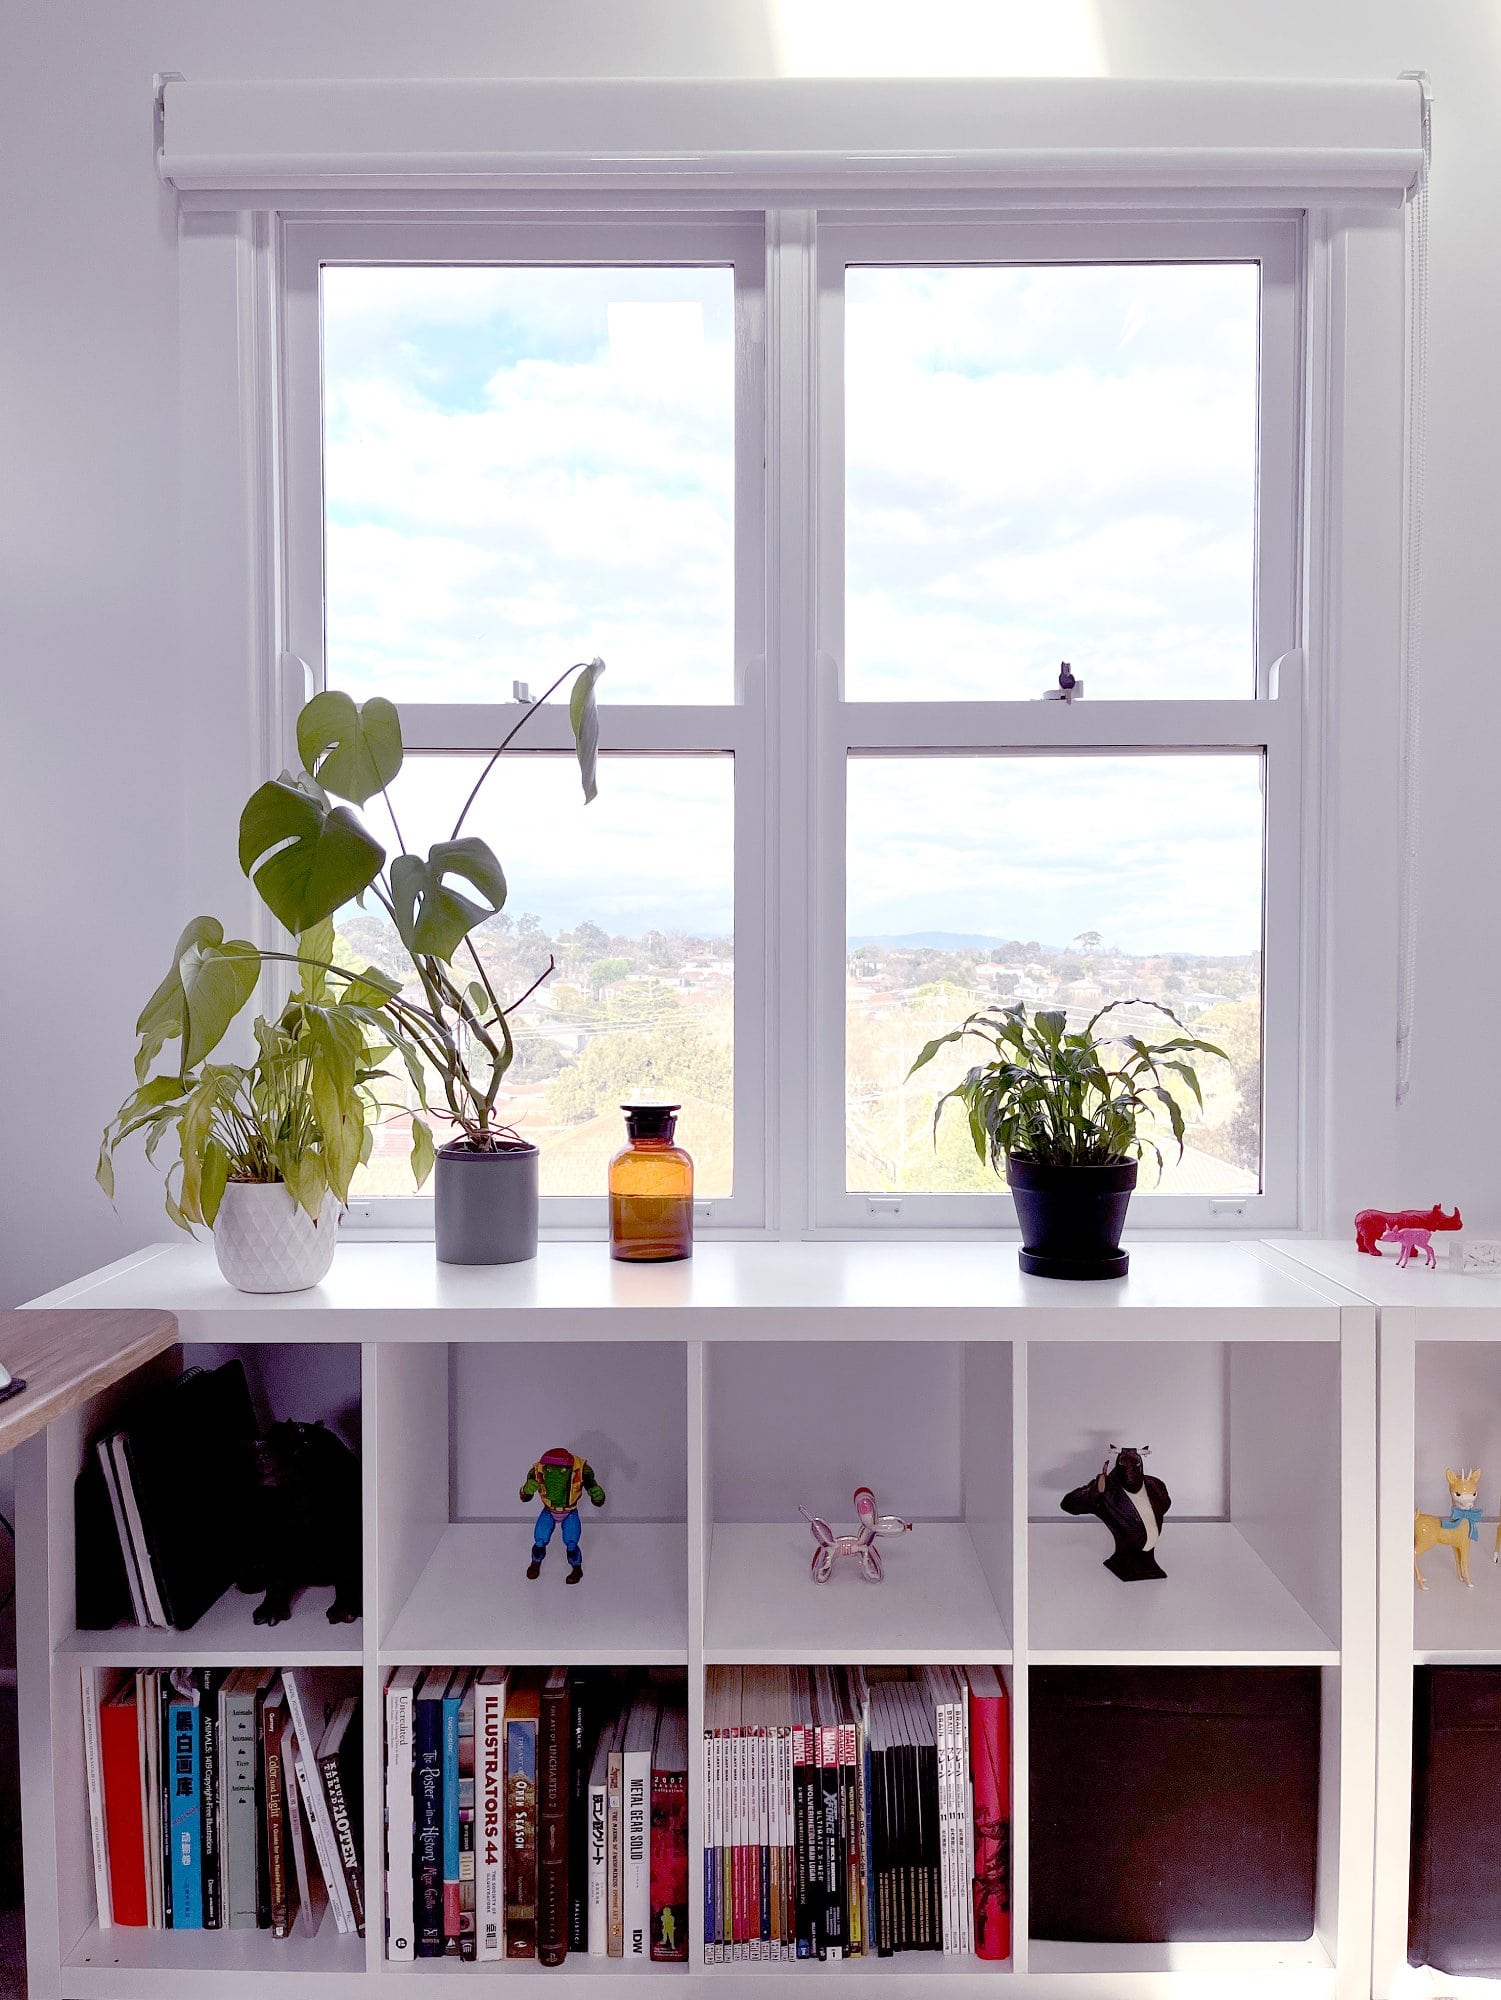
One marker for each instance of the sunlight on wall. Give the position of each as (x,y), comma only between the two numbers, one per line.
(945,38)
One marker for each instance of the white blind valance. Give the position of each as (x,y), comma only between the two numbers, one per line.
(1348,141)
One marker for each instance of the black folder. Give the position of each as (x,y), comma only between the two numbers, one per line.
(1454,1910)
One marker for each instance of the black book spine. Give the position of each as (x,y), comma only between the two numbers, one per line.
(927,1759)
(581,1718)
(164,1788)
(902,1856)
(817,1878)
(880,1909)
(210,1781)
(833,1851)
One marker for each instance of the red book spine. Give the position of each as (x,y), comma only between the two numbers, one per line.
(120,1758)
(990,1767)
(669,1865)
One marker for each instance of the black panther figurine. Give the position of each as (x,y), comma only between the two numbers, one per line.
(1132,1507)
(303,1527)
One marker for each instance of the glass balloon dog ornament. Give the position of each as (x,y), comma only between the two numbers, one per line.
(859,1545)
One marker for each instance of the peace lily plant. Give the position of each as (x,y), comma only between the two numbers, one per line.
(302,1114)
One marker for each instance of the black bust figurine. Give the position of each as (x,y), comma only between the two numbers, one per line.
(1132,1507)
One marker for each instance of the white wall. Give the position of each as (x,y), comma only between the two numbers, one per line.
(101,703)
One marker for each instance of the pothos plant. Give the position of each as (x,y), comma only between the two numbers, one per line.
(304,1110)
(1063,1098)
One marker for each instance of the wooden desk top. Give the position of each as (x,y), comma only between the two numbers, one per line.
(67,1356)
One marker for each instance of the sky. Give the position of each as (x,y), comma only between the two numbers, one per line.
(527,467)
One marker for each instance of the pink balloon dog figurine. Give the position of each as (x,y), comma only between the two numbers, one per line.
(861,1544)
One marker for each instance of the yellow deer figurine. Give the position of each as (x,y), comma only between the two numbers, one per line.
(1455,1531)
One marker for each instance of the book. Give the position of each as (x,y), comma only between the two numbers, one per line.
(91,1687)
(401,1691)
(453,1701)
(185,1812)
(669,1837)
(124,1806)
(148,1703)
(341,1771)
(311,1896)
(102,1587)
(147,1608)
(489,1808)
(990,1770)
(635,1899)
(467,1942)
(428,1781)
(583,1726)
(523,1704)
(313,1694)
(305,1770)
(209,1680)
(615,1844)
(279,1868)
(831,1832)
(553,1729)
(598,1849)
(237,1710)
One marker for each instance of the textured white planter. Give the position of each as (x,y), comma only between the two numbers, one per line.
(266,1243)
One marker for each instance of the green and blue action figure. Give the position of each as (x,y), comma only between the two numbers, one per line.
(561,1478)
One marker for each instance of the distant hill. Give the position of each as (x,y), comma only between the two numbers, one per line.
(939,941)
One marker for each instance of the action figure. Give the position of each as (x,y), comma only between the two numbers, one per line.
(1132,1507)
(562,1478)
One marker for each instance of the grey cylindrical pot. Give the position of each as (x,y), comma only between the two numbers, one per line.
(1071,1217)
(486,1205)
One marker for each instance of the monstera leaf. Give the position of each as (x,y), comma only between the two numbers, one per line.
(210,980)
(433,918)
(353,751)
(585,719)
(306,857)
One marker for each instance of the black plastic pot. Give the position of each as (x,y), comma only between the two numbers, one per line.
(485,1204)
(1071,1217)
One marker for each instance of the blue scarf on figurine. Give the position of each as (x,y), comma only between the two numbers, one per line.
(1474,1515)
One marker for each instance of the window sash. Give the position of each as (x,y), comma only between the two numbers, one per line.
(789,728)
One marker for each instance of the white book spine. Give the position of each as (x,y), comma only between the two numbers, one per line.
(636,1886)
(156,1611)
(93,1762)
(401,1913)
(939,1712)
(757,1834)
(599,1867)
(328,1860)
(784,1837)
(706,1821)
(147,1688)
(105,1451)
(739,1837)
(489,1812)
(967,1794)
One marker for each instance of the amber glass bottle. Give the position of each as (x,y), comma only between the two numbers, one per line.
(651,1189)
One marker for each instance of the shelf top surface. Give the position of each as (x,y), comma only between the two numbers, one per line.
(1379,1280)
(861,1283)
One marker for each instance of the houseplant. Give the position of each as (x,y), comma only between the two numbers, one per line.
(263,1152)
(1059,1111)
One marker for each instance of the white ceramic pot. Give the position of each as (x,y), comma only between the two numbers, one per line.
(266,1243)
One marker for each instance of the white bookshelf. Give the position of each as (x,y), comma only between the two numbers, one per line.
(713,1397)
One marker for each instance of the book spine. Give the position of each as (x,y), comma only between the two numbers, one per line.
(93,1765)
(239,1812)
(740,1874)
(148,1718)
(429,1835)
(802,1858)
(328,1860)
(615,1839)
(849,1813)
(163,1685)
(400,1828)
(346,1842)
(599,1869)
(552,1825)
(186,1817)
(521,1837)
(212,1772)
(272,1721)
(669,1866)
(580,1719)
(451,1909)
(709,1808)
(966,1824)
(636,1905)
(990,1758)
(875,1780)
(761,1840)
(317,1802)
(468,1939)
(490,1781)
(120,1767)
(833,1842)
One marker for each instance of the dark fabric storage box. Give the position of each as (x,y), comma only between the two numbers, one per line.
(1172,1804)
(1454,1913)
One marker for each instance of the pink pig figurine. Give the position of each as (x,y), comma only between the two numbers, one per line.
(1412,1240)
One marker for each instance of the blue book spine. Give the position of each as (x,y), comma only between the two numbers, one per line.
(428,1762)
(186,1816)
(452,1703)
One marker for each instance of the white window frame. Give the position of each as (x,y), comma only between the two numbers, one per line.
(736,728)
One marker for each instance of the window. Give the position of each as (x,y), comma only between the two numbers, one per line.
(831,821)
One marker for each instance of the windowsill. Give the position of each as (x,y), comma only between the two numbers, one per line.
(726,1290)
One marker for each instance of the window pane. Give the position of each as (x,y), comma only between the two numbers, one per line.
(524,467)
(1059,882)
(1050,463)
(633,896)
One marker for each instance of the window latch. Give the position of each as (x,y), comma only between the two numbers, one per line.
(1068,688)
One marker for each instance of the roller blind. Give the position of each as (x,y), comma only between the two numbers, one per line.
(1348,141)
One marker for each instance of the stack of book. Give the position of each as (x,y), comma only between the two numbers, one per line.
(225,1800)
(852,1812)
(532,1813)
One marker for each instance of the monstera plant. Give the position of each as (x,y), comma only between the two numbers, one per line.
(307,845)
